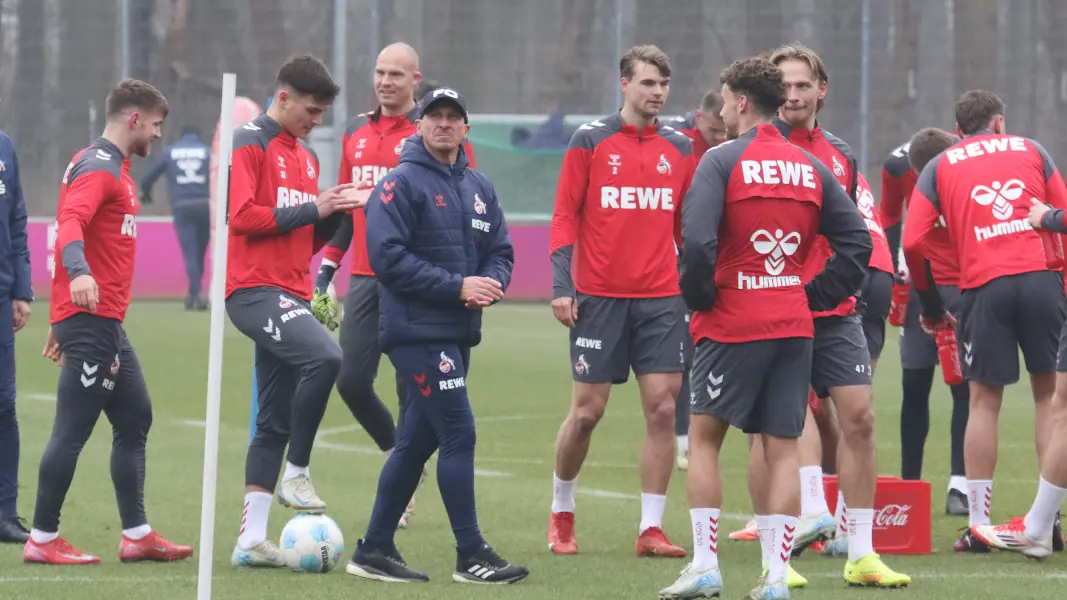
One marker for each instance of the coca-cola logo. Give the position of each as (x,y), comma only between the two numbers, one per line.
(892,515)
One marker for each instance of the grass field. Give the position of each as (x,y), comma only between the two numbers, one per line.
(520,390)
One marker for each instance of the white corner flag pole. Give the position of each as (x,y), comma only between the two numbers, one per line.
(218,324)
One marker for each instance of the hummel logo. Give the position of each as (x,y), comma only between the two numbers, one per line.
(715,381)
(89,370)
(967,356)
(277,336)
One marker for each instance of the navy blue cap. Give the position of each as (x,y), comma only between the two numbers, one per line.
(442,95)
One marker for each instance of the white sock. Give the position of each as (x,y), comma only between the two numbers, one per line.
(958,483)
(840,516)
(766,538)
(1042,514)
(812,493)
(784,528)
(292,470)
(652,507)
(254,520)
(137,533)
(562,494)
(980,495)
(860,525)
(705,538)
(683,444)
(42,537)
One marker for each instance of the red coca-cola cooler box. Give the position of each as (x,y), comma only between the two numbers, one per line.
(901,514)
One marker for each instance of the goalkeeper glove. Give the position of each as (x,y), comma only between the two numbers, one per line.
(325,310)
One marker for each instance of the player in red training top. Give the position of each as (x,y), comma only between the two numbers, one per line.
(278,221)
(877,291)
(705,129)
(1013,296)
(749,220)
(617,203)
(918,350)
(96,238)
(1030,536)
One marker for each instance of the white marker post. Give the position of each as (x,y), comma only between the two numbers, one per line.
(218,325)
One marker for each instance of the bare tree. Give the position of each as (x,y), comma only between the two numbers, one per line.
(9,46)
(563,91)
(975,44)
(895,119)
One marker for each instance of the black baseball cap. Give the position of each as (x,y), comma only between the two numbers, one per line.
(442,95)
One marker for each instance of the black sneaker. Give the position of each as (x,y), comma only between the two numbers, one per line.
(13,531)
(1057,534)
(382,566)
(486,566)
(956,503)
(969,543)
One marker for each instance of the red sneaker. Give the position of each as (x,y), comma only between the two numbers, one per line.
(561,533)
(57,552)
(653,542)
(152,547)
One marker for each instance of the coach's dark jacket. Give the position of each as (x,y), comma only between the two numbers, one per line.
(429,225)
(14,247)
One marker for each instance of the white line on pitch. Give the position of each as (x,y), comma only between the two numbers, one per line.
(109,580)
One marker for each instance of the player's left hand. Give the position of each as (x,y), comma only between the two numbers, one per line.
(1037,211)
(932,325)
(20,311)
(325,310)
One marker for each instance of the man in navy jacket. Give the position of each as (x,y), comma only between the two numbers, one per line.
(15,297)
(439,245)
(186,165)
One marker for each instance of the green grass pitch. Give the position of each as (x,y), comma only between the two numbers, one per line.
(520,389)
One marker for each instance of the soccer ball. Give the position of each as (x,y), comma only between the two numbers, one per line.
(312,543)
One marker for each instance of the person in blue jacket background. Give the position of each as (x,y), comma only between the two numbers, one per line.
(16,294)
(186,164)
(439,245)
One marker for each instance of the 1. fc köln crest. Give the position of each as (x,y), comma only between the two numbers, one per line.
(447,365)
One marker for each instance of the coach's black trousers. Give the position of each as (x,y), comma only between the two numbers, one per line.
(100,373)
(296,365)
(360,357)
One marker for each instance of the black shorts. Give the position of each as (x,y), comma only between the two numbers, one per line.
(840,357)
(877,295)
(687,343)
(1016,312)
(918,350)
(1061,353)
(758,387)
(613,335)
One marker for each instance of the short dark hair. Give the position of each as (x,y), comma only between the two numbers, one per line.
(712,102)
(928,143)
(425,86)
(975,109)
(646,53)
(136,94)
(308,76)
(758,79)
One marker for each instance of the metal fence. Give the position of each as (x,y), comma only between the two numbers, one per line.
(895,65)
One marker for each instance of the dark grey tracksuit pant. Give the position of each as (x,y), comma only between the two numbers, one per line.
(100,374)
(296,364)
(360,358)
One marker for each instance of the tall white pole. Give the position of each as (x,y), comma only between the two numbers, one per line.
(218,325)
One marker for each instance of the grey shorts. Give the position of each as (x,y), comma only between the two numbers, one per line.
(1016,312)
(918,350)
(687,343)
(877,295)
(758,387)
(613,335)
(1061,352)
(840,357)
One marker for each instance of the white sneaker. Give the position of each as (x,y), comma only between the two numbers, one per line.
(263,554)
(297,493)
(1012,536)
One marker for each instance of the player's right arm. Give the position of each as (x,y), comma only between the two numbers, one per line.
(247,216)
(924,210)
(702,210)
(570,196)
(1053,218)
(843,227)
(891,211)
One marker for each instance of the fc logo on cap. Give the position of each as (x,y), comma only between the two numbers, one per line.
(445,92)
